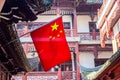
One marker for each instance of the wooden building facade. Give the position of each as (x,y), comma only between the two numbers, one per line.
(12,56)
(109,25)
(81,33)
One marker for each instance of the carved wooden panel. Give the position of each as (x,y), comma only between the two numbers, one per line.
(42,77)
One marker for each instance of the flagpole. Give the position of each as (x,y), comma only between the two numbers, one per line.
(32,31)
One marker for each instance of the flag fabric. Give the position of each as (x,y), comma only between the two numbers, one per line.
(51,44)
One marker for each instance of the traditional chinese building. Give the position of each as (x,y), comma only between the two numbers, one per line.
(108,22)
(109,25)
(12,56)
(82,35)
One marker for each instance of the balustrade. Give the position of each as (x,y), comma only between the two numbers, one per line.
(89,36)
(71,33)
(68,32)
(65,75)
(69,75)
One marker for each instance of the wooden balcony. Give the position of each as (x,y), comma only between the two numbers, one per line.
(68,32)
(57,75)
(89,36)
(72,33)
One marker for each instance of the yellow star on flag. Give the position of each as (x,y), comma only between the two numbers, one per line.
(54,27)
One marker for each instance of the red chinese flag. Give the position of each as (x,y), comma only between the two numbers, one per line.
(51,45)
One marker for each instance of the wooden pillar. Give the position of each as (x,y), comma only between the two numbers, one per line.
(76,49)
(95,51)
(109,30)
(26,48)
(73,62)
(24,77)
(94,34)
(77,61)
(102,38)
(59,74)
(26,31)
(75,22)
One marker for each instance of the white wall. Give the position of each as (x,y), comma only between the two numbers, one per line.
(82,23)
(45,18)
(42,18)
(86,59)
(105,54)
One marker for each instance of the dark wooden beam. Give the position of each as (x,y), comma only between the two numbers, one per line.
(5,68)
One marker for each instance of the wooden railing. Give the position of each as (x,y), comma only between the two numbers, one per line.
(89,36)
(68,32)
(57,75)
(42,76)
(69,75)
(71,33)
